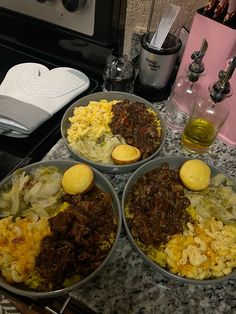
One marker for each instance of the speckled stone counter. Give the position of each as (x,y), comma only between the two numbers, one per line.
(128,285)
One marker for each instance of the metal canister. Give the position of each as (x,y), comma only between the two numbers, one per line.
(156,65)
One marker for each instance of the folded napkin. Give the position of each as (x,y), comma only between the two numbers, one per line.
(31,93)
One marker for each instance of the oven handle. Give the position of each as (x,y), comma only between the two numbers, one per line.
(61,311)
(58,305)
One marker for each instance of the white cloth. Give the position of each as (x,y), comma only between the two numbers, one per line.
(35,84)
(47,89)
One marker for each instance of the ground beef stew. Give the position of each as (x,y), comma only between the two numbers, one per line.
(137,125)
(81,238)
(156,206)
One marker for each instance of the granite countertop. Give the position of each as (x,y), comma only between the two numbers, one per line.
(127,284)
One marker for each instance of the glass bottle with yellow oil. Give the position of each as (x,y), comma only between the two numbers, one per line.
(185,91)
(208,115)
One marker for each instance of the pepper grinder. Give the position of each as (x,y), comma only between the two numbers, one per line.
(209,114)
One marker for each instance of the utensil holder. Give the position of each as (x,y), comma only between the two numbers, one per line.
(156,65)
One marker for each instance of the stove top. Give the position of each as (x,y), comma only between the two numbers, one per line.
(51,33)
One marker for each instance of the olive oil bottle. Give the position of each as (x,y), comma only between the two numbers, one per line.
(185,91)
(208,115)
(199,135)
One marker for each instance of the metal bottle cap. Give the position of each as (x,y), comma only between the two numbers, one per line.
(197,66)
(221,89)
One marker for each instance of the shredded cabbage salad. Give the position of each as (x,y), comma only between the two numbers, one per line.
(218,200)
(37,192)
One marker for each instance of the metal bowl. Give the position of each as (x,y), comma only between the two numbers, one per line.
(109,168)
(103,184)
(174,163)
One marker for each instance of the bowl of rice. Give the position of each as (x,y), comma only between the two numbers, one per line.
(188,236)
(52,241)
(98,123)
